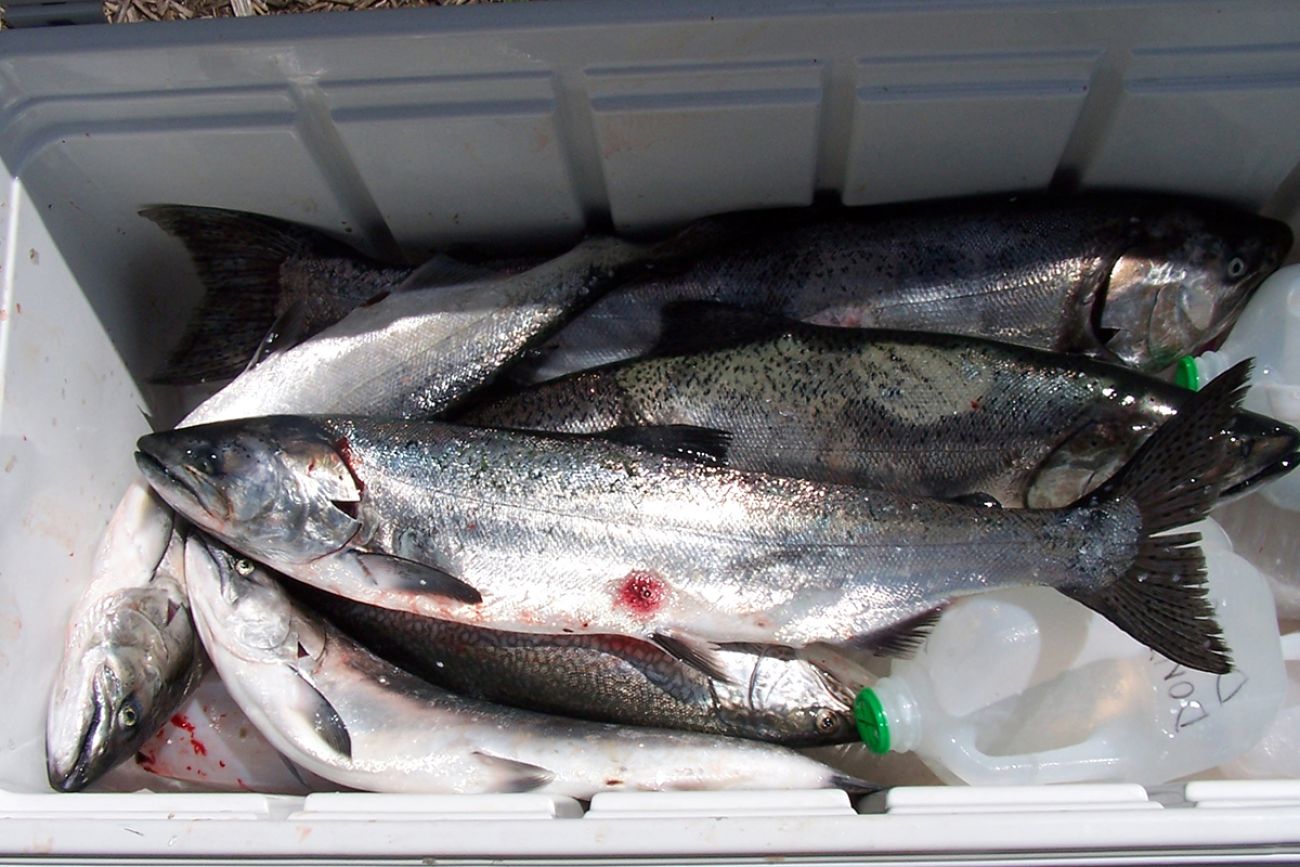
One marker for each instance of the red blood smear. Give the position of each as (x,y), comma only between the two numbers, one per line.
(344,448)
(220,763)
(642,592)
(199,748)
(181,722)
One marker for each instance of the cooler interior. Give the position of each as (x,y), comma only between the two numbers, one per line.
(520,126)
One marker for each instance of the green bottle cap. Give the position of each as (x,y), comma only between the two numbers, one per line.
(873,725)
(1186,375)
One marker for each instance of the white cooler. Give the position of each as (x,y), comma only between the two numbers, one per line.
(404,130)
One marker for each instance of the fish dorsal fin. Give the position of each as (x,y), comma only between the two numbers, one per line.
(690,326)
(397,573)
(704,445)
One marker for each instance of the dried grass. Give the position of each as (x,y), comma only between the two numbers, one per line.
(128,11)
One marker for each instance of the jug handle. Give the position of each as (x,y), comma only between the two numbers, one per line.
(1091,760)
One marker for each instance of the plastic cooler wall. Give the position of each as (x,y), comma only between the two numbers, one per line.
(401,131)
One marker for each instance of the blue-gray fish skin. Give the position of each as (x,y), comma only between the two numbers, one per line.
(1137,279)
(611,678)
(934,415)
(537,533)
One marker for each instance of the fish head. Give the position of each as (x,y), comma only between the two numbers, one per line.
(277,487)
(793,701)
(132,660)
(229,588)
(266,649)
(1182,281)
(1259,449)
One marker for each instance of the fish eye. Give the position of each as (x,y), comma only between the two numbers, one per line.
(826,721)
(127,715)
(1236,267)
(202,462)
(244,567)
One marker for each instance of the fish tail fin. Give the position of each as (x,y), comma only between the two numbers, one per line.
(1173,480)
(238,257)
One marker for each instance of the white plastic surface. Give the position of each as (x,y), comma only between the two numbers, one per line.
(1024,686)
(1277,754)
(406,131)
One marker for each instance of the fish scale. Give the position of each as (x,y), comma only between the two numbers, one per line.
(538,533)
(935,415)
(1032,270)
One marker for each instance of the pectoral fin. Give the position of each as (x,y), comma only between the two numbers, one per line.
(396,573)
(327,723)
(514,776)
(696,652)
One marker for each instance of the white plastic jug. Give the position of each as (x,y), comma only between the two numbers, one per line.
(1269,332)
(1026,686)
(1277,755)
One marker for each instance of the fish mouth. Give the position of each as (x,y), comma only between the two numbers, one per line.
(194,494)
(1280,467)
(84,767)
(1270,449)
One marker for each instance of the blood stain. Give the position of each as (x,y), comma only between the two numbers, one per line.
(642,592)
(179,720)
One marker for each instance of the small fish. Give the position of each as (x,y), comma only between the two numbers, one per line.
(766,695)
(1133,278)
(934,415)
(538,533)
(341,712)
(413,353)
(130,655)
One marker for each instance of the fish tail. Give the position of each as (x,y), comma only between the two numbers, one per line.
(1173,480)
(238,257)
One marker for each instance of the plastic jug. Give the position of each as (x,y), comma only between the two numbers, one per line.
(1026,686)
(1269,332)
(1277,755)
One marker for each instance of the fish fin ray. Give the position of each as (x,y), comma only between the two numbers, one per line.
(516,776)
(690,326)
(900,641)
(287,331)
(325,718)
(398,573)
(1161,599)
(697,653)
(238,258)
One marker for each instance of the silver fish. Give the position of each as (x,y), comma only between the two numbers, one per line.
(337,710)
(536,533)
(130,657)
(1137,279)
(766,695)
(412,353)
(933,415)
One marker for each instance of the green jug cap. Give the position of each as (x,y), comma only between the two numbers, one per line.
(873,725)
(1187,375)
